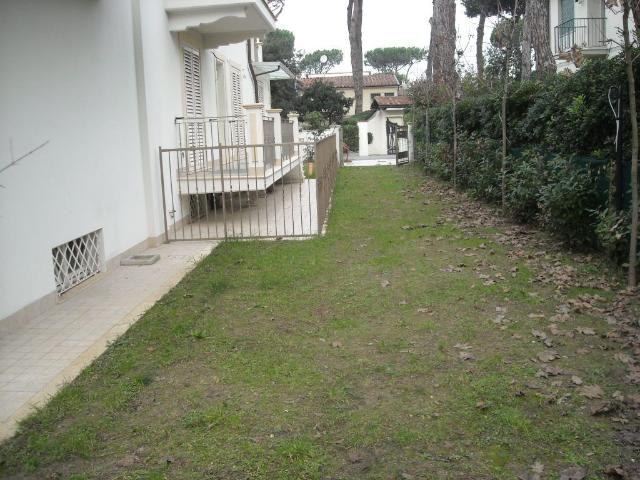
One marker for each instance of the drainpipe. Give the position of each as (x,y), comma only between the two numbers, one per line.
(254,80)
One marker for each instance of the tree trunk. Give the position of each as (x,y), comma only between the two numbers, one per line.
(479,45)
(455,138)
(537,17)
(443,41)
(634,5)
(429,72)
(526,45)
(631,83)
(354,24)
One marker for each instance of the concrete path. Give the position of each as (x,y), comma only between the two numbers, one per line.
(41,354)
(370,161)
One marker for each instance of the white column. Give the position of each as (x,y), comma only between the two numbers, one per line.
(410,141)
(293,118)
(363,141)
(255,132)
(338,132)
(274,113)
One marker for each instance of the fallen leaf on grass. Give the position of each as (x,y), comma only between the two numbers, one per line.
(466,356)
(462,346)
(602,407)
(624,358)
(615,471)
(585,330)
(539,334)
(591,391)
(385,283)
(549,371)
(576,380)
(336,344)
(573,473)
(548,356)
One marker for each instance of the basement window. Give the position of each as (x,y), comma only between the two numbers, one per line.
(77,260)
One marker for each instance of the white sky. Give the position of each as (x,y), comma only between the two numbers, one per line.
(323,25)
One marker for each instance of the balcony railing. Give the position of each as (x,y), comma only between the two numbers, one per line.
(583,33)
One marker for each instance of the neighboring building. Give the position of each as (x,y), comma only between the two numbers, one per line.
(99,86)
(374,85)
(389,114)
(584,25)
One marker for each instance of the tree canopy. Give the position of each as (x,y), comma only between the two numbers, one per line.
(393,59)
(279,45)
(311,63)
(326,99)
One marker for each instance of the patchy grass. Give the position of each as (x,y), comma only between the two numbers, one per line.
(336,357)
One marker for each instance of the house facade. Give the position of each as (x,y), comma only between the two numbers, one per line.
(90,91)
(374,85)
(585,26)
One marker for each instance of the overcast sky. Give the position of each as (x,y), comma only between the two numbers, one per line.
(397,23)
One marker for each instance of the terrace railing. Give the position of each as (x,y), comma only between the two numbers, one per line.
(287,138)
(580,32)
(269,142)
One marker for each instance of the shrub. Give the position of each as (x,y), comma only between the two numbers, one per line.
(613,230)
(523,185)
(568,201)
(350,136)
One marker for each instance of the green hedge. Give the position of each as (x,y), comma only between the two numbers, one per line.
(561,142)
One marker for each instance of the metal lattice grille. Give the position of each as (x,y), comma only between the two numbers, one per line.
(77,260)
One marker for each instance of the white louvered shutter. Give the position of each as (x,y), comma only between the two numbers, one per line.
(193,101)
(236,105)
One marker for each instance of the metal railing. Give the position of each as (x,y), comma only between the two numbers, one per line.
(255,203)
(193,132)
(580,32)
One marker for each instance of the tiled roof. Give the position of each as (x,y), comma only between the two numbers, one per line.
(399,101)
(346,81)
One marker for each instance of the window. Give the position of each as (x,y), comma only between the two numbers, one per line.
(77,260)
(192,85)
(374,95)
(389,94)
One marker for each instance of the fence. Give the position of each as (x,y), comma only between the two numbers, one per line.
(326,160)
(233,193)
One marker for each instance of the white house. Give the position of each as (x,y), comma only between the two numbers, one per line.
(586,25)
(90,90)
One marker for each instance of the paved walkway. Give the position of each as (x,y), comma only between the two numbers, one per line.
(43,353)
(370,161)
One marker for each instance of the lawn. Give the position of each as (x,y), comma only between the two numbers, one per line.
(398,346)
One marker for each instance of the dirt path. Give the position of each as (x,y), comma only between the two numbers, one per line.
(420,339)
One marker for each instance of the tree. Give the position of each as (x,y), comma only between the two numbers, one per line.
(483,9)
(279,46)
(536,35)
(311,63)
(354,24)
(324,98)
(504,40)
(393,59)
(443,42)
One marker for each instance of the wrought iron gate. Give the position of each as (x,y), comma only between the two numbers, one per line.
(402,145)
(392,129)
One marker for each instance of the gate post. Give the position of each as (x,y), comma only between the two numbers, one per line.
(274,113)
(293,118)
(410,140)
(363,141)
(254,113)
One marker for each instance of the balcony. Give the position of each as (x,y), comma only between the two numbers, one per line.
(220,22)
(587,34)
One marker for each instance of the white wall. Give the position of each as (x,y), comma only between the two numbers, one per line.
(68,77)
(378,127)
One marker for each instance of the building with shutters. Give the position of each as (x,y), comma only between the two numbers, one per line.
(582,29)
(90,91)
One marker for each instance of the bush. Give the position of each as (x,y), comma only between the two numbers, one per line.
(613,230)
(523,185)
(350,136)
(568,201)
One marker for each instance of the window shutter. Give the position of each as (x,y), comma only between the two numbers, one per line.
(194,130)
(236,102)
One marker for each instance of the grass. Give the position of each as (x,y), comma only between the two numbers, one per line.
(291,360)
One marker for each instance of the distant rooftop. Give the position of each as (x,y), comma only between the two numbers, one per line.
(346,81)
(390,102)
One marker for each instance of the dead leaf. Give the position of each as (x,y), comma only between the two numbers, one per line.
(539,334)
(624,358)
(385,283)
(547,356)
(591,391)
(615,471)
(576,380)
(466,356)
(538,467)
(336,344)
(573,473)
(586,330)
(602,407)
